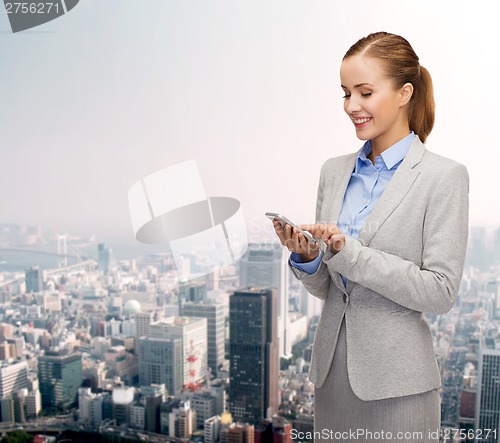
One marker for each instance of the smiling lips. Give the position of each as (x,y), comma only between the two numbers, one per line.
(360,122)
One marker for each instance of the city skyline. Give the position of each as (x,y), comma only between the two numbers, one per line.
(130,328)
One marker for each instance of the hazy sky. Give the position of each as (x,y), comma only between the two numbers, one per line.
(117,89)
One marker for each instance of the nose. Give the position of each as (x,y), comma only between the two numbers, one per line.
(352,105)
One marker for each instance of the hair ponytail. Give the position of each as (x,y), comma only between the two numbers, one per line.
(421,106)
(402,65)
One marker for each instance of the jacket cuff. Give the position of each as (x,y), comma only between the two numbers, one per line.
(344,260)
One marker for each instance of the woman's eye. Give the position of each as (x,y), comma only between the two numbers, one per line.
(346,96)
(367,94)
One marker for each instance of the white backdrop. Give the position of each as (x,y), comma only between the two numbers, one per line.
(117,89)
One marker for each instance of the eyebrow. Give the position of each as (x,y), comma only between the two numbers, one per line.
(357,86)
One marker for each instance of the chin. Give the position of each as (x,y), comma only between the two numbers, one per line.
(362,136)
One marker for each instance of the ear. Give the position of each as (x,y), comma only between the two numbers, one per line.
(405,94)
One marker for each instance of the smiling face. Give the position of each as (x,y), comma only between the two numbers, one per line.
(373,103)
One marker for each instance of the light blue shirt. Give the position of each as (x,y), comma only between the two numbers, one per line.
(368,182)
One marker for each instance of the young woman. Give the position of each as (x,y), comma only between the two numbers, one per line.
(393,224)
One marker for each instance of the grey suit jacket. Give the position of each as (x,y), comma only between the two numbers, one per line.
(408,259)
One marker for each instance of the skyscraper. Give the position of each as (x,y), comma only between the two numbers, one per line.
(154,396)
(60,376)
(266,265)
(34,279)
(103,257)
(143,321)
(13,377)
(160,361)
(254,358)
(488,398)
(214,313)
(192,291)
(192,331)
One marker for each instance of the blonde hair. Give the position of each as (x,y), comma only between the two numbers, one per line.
(401,63)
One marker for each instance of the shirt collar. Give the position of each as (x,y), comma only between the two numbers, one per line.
(391,156)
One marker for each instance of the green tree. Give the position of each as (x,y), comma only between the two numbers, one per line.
(17,437)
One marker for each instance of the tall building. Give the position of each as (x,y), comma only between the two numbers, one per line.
(488,398)
(214,313)
(277,430)
(254,359)
(122,402)
(160,361)
(266,265)
(192,291)
(165,409)
(218,391)
(105,258)
(90,406)
(33,403)
(13,376)
(121,363)
(237,433)
(60,376)
(154,396)
(204,405)
(34,279)
(6,331)
(143,321)
(182,420)
(7,413)
(211,429)
(138,415)
(192,331)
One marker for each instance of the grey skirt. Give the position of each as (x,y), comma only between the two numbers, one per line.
(341,416)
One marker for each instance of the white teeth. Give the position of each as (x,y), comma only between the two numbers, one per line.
(358,121)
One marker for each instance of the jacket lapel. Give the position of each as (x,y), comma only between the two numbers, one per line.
(333,201)
(394,193)
(334,197)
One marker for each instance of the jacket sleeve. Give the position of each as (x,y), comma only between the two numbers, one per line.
(434,285)
(318,283)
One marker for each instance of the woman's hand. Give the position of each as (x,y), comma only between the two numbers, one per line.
(296,242)
(329,233)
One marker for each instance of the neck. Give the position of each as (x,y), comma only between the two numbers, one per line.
(385,141)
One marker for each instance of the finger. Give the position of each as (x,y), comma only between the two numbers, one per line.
(308,227)
(312,229)
(279,232)
(308,247)
(302,243)
(277,225)
(296,240)
(286,236)
(290,244)
(325,235)
(337,242)
(335,229)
